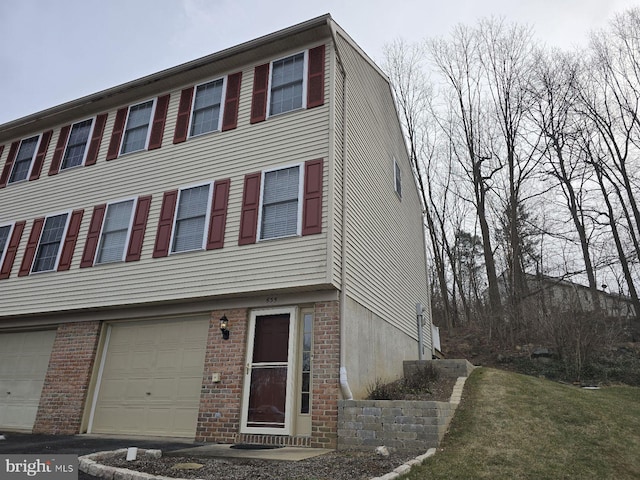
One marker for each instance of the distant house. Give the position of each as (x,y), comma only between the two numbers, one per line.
(220,250)
(559,294)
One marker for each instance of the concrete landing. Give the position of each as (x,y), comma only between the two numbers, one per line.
(219,450)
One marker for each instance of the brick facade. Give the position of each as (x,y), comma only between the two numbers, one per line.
(220,403)
(66,384)
(326,375)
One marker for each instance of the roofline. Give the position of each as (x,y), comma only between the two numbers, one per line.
(166,73)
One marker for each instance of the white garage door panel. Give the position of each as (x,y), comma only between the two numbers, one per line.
(151,378)
(24,359)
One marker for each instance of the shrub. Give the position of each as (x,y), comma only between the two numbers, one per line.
(418,382)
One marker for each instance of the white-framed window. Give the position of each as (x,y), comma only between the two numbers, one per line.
(397,178)
(50,243)
(191,218)
(138,127)
(288,83)
(206,111)
(5,234)
(116,230)
(280,202)
(76,149)
(24,159)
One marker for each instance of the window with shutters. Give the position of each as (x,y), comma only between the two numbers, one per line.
(207,107)
(116,230)
(136,132)
(397,178)
(49,245)
(5,234)
(287,84)
(24,159)
(280,210)
(75,152)
(191,219)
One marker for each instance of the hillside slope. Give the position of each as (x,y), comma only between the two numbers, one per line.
(520,427)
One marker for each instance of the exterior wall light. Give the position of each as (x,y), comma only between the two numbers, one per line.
(224,323)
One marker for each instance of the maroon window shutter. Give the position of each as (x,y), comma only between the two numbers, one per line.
(184,112)
(32,245)
(69,245)
(259,96)
(54,168)
(250,206)
(93,236)
(159,118)
(134,251)
(42,152)
(218,222)
(116,135)
(315,83)
(1,149)
(165,224)
(231,102)
(96,139)
(8,165)
(312,201)
(12,250)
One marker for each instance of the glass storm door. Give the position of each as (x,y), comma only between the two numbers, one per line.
(268,373)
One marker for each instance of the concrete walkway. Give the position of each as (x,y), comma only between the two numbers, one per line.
(218,450)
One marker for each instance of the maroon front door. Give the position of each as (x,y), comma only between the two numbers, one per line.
(267,373)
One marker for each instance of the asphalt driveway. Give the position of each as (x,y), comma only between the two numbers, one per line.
(23,443)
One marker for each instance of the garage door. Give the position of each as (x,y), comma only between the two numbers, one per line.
(24,359)
(150,378)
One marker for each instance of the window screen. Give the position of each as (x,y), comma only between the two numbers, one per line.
(115,232)
(206,108)
(49,246)
(280,203)
(22,163)
(191,219)
(135,135)
(77,144)
(287,84)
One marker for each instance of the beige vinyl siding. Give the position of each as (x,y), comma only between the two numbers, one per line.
(386,258)
(296,262)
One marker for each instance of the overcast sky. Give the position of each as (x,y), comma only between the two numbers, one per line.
(53,51)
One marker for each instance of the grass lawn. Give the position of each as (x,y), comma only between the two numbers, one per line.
(512,426)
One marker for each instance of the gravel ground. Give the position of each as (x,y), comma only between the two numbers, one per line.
(338,465)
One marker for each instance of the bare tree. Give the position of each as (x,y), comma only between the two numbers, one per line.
(412,92)
(458,62)
(555,92)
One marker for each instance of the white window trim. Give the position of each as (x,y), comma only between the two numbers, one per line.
(3,253)
(300,201)
(64,236)
(305,76)
(126,123)
(126,243)
(206,220)
(86,150)
(33,157)
(222,100)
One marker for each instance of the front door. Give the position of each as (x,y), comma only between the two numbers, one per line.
(269,373)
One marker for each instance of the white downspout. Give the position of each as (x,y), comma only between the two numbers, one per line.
(344,384)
